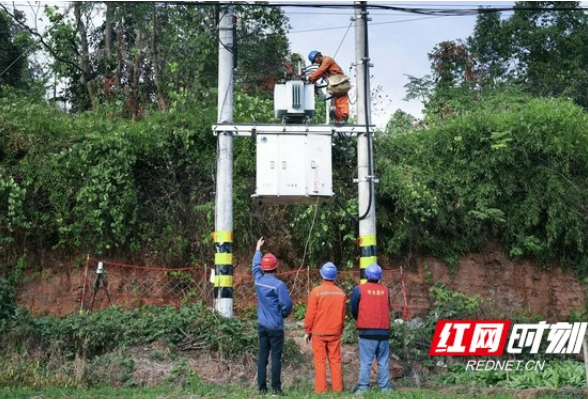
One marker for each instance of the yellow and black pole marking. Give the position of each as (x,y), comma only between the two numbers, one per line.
(367,255)
(223,261)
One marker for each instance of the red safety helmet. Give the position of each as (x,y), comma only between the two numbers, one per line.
(269,262)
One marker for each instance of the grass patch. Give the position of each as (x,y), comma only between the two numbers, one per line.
(196,388)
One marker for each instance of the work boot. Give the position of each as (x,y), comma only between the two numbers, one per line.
(279,392)
(262,391)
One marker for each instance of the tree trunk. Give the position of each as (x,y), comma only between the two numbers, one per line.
(156,63)
(119,56)
(135,77)
(108,37)
(86,79)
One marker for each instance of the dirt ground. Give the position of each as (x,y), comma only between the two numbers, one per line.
(55,288)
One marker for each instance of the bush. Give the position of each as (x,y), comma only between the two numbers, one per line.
(555,375)
(192,326)
(510,171)
(7,304)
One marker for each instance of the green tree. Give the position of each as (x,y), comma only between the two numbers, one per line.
(15,47)
(262,47)
(540,48)
(454,79)
(137,56)
(400,123)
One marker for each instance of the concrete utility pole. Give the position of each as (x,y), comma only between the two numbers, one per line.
(223,235)
(365,170)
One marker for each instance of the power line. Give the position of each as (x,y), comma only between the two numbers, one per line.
(372,23)
(318,13)
(342,40)
(421,10)
(61,2)
(431,10)
(433,4)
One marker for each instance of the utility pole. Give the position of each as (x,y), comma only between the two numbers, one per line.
(223,235)
(365,162)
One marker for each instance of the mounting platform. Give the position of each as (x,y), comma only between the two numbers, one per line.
(348,131)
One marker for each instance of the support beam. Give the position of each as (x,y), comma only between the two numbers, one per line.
(347,131)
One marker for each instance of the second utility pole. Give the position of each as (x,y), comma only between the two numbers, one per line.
(365,163)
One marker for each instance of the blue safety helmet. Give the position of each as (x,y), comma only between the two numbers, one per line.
(312,55)
(373,272)
(329,271)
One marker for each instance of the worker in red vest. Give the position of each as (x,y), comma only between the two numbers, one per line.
(370,307)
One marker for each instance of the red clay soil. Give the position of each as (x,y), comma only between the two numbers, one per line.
(511,285)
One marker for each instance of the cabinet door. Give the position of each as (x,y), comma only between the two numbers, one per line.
(267,165)
(291,168)
(319,180)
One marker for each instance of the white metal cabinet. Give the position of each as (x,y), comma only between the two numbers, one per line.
(293,168)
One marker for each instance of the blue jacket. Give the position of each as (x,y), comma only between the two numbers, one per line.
(273,301)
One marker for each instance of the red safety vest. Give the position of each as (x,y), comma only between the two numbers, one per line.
(374,307)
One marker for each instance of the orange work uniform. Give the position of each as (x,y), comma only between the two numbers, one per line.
(325,319)
(341,102)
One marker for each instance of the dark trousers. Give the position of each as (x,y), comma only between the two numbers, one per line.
(270,340)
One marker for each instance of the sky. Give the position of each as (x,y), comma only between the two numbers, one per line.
(398,42)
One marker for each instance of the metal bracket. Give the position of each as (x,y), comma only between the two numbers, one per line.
(346,131)
(366,179)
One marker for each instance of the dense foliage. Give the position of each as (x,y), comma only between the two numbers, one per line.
(508,168)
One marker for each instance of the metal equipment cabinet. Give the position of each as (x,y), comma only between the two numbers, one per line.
(293,168)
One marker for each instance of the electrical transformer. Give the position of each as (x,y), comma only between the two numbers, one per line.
(294,101)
